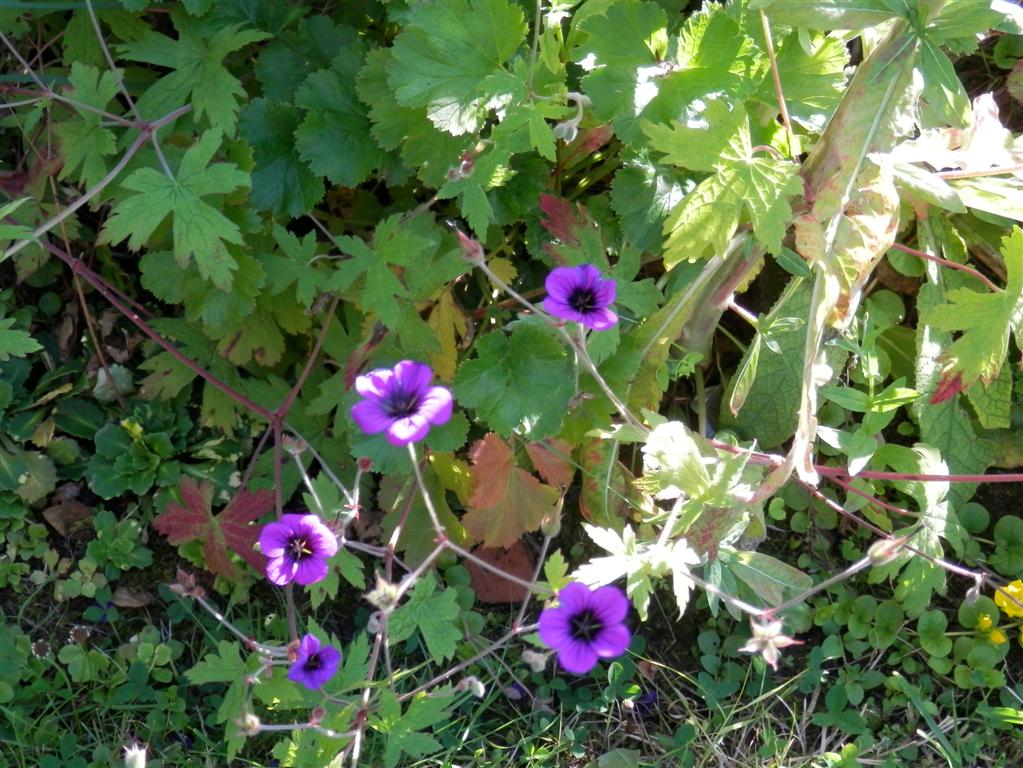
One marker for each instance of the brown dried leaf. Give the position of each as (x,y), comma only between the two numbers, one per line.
(552,458)
(491,588)
(506,501)
(65,516)
(131,598)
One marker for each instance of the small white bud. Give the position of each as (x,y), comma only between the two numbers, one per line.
(135,756)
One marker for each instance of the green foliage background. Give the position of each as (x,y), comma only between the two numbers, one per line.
(216,214)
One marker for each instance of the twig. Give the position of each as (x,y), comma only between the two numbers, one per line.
(136,145)
(947,263)
(776,77)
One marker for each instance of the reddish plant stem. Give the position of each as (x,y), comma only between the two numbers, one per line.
(79,268)
(1008,477)
(773,460)
(848,486)
(947,263)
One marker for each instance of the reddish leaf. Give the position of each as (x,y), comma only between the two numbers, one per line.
(562,219)
(947,388)
(491,588)
(506,501)
(228,531)
(552,459)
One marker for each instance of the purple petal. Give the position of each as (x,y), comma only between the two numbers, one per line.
(273,539)
(307,646)
(577,657)
(375,383)
(605,292)
(329,658)
(610,605)
(281,570)
(554,627)
(587,276)
(323,541)
(561,282)
(408,430)
(435,406)
(321,538)
(371,416)
(600,319)
(558,308)
(310,570)
(412,376)
(611,642)
(574,598)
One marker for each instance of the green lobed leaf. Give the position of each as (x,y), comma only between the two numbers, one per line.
(826,14)
(445,52)
(84,142)
(199,75)
(334,137)
(433,613)
(15,342)
(297,53)
(503,380)
(281,182)
(985,321)
(200,230)
(707,218)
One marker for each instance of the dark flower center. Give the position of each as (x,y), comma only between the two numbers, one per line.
(585,626)
(583,300)
(299,547)
(401,404)
(313,663)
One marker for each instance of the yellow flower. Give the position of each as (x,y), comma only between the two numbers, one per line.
(1010,598)
(997,637)
(984,622)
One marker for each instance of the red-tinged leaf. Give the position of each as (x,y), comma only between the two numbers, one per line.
(562,218)
(552,458)
(230,530)
(491,588)
(589,141)
(947,388)
(506,501)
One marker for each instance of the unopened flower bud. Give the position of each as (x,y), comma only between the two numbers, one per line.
(293,445)
(536,661)
(365,464)
(567,130)
(317,715)
(984,622)
(249,724)
(473,685)
(884,551)
(375,622)
(135,756)
(384,595)
(472,250)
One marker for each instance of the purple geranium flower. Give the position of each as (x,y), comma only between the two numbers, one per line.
(585,626)
(401,402)
(578,293)
(315,663)
(297,547)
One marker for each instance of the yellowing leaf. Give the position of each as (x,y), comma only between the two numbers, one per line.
(506,501)
(448,320)
(503,268)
